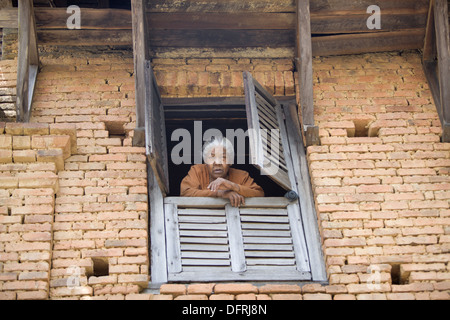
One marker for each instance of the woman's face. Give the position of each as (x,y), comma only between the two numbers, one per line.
(216,161)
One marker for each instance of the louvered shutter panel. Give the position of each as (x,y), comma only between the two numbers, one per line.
(269,150)
(156,142)
(262,241)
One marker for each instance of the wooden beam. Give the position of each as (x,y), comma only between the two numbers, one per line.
(222,38)
(232,39)
(56,18)
(335,22)
(286,6)
(305,71)
(28,61)
(326,6)
(429,50)
(332,23)
(141,55)
(443,55)
(66,37)
(367,43)
(220,6)
(232,21)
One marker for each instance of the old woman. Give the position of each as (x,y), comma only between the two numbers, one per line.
(217,179)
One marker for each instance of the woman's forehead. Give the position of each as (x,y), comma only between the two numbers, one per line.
(218,149)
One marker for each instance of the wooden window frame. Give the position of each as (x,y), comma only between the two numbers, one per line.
(28,60)
(305,210)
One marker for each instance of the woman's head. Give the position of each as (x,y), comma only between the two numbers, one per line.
(218,156)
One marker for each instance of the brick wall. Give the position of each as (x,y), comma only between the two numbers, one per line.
(99,239)
(380,178)
(221,77)
(31,156)
(383,196)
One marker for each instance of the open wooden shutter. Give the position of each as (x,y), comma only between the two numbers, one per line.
(156,142)
(208,240)
(269,150)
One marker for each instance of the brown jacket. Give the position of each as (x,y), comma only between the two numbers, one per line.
(196,183)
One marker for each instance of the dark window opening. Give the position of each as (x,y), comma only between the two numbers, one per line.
(223,118)
(116,130)
(101,267)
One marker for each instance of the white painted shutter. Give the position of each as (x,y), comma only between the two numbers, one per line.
(269,148)
(263,241)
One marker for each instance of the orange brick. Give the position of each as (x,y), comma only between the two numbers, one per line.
(375,189)
(221,297)
(173,289)
(108,157)
(279,288)
(192,297)
(235,288)
(286,297)
(344,297)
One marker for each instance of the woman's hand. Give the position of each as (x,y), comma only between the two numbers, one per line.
(235,198)
(223,184)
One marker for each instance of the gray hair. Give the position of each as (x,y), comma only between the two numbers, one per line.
(219,142)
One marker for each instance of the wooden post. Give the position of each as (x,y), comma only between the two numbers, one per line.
(443,54)
(305,72)
(141,54)
(28,60)
(436,61)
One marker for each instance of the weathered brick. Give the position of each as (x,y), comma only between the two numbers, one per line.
(33,209)
(5,141)
(9,182)
(24,156)
(30,129)
(6,156)
(13,128)
(53,142)
(56,156)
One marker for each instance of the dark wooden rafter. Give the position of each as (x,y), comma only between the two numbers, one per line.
(436,61)
(303,62)
(28,60)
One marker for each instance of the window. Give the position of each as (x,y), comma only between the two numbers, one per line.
(207,240)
